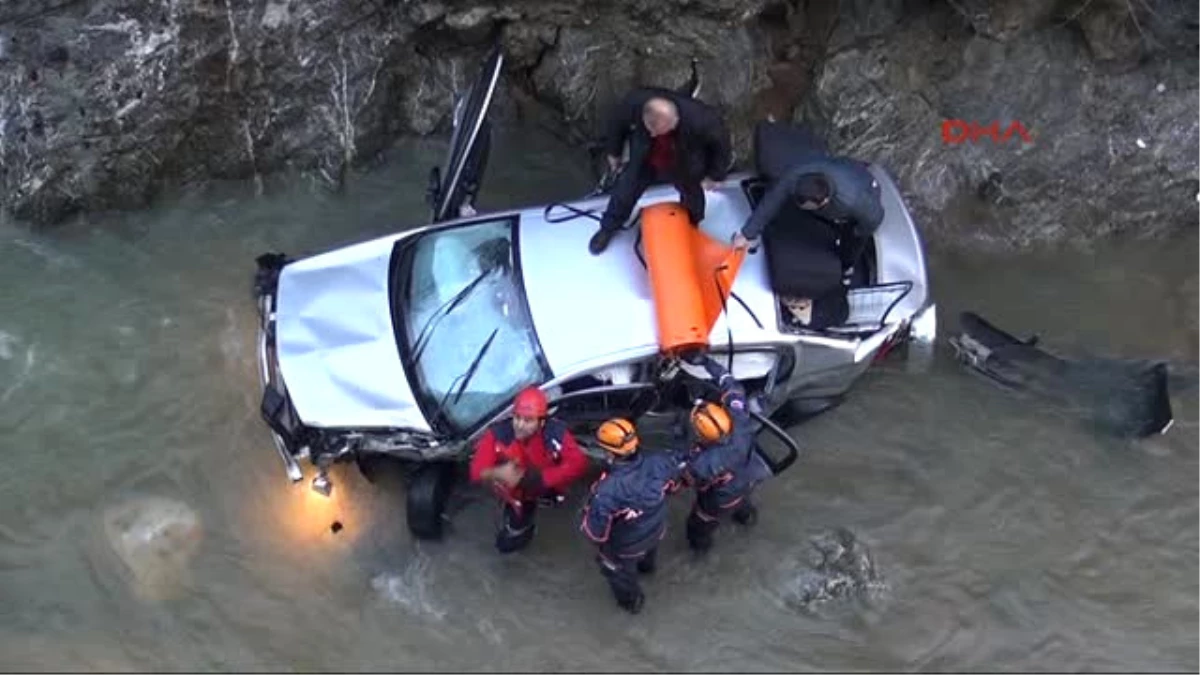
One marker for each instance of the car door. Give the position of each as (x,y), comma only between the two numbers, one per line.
(455,186)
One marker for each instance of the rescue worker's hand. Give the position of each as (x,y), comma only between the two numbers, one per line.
(740,242)
(668,368)
(614,163)
(507,475)
(709,184)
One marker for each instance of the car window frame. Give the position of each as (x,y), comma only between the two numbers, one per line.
(784,367)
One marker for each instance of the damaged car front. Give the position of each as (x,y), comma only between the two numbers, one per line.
(401,346)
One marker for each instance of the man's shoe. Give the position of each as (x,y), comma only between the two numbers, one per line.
(747,515)
(633,605)
(600,240)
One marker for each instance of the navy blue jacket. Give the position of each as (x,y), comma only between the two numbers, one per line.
(856,196)
(626,513)
(730,467)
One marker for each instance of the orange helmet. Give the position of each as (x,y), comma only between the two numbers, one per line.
(711,421)
(618,436)
(531,403)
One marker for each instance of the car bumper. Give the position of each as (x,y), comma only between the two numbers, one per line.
(276,407)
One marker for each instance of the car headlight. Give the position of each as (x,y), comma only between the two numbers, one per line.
(322,485)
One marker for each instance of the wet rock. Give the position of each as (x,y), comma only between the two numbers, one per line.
(1110,151)
(1004,19)
(155,538)
(840,567)
(104,103)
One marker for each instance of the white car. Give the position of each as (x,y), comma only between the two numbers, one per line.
(406,347)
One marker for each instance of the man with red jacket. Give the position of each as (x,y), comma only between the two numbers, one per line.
(525,460)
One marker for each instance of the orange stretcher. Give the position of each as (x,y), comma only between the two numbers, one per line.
(691,275)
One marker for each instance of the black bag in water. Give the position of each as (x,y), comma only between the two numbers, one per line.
(1123,398)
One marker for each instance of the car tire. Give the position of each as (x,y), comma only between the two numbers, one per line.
(425,503)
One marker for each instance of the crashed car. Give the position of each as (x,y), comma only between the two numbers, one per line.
(404,348)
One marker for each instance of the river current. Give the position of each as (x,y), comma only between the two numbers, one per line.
(1011,537)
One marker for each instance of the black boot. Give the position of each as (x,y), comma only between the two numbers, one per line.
(601,239)
(746,514)
(517,528)
(632,603)
(648,563)
(700,533)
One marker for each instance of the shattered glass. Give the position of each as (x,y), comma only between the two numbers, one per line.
(463,289)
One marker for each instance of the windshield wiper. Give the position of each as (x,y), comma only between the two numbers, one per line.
(466,375)
(444,311)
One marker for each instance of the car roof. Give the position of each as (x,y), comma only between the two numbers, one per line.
(593,310)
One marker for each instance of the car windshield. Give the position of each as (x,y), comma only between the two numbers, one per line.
(468,332)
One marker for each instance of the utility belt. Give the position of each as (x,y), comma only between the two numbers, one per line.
(552,499)
(547,500)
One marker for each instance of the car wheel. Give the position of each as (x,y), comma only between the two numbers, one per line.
(428,491)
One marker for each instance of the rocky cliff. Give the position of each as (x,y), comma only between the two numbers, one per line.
(103,103)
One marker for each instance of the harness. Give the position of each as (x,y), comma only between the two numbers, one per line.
(553,433)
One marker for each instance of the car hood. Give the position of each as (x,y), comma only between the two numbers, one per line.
(336,344)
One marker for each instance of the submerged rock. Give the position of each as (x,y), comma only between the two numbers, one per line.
(839,567)
(155,538)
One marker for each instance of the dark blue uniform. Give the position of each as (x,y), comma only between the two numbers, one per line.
(856,200)
(725,473)
(626,516)
(786,153)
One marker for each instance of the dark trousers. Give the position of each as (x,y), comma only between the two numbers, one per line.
(706,515)
(632,184)
(517,526)
(621,570)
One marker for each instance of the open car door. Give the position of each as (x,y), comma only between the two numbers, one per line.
(453,188)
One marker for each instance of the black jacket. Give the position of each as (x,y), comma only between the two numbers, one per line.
(731,468)
(855,199)
(703,147)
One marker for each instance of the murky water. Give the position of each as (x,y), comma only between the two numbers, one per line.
(1011,537)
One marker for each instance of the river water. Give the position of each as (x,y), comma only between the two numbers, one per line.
(1010,537)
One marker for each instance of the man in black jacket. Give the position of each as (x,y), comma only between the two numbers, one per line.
(837,190)
(672,138)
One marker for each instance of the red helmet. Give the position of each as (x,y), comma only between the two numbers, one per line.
(530,402)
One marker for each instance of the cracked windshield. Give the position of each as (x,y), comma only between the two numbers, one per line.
(572,337)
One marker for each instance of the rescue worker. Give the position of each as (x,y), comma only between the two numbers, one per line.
(526,459)
(626,513)
(838,190)
(672,138)
(723,466)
